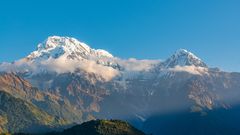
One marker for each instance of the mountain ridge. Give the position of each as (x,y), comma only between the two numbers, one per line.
(89,88)
(55,52)
(23,116)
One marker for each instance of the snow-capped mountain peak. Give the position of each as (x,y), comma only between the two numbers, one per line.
(65,55)
(56,46)
(182,57)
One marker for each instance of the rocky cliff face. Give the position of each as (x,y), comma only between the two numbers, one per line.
(68,79)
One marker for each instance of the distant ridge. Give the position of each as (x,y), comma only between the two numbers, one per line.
(99,127)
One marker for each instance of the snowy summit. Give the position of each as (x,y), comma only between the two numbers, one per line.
(182,57)
(71,48)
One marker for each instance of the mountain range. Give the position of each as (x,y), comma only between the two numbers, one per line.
(65,82)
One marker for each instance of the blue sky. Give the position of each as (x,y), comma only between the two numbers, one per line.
(150,29)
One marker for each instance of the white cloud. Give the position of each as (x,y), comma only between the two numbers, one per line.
(190,69)
(63,65)
(133,64)
(60,65)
